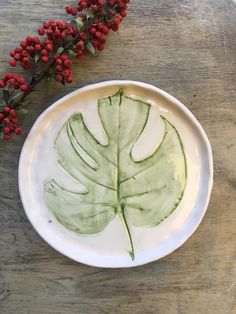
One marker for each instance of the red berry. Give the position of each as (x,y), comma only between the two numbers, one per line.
(44,59)
(102,40)
(100,47)
(14,120)
(12,53)
(49,32)
(23,87)
(100,26)
(44,52)
(6,130)
(18,131)
(68,9)
(95,43)
(7,137)
(46,42)
(12,112)
(69,79)
(1,115)
(30,49)
(38,47)
(63,35)
(49,47)
(66,73)
(25,53)
(29,39)
(6,120)
(95,8)
(112,3)
(41,31)
(105,30)
(101,3)
(17,56)
(85,52)
(80,44)
(8,76)
(12,81)
(83,4)
(98,34)
(59,61)
(83,35)
(64,57)
(7,109)
(57,32)
(18,50)
(59,68)
(61,26)
(2,83)
(115,27)
(25,60)
(93,30)
(46,24)
(79,54)
(58,78)
(68,63)
(36,40)
(53,24)
(123,13)
(25,66)
(23,44)
(12,62)
(20,80)
(57,56)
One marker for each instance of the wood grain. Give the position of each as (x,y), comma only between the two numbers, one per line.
(188,48)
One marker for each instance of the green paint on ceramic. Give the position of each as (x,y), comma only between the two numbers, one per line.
(141,193)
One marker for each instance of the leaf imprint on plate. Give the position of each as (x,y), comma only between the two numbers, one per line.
(142,193)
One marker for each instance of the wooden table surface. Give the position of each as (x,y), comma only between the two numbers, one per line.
(188,48)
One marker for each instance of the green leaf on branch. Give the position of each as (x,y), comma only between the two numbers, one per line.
(89,14)
(26,103)
(141,192)
(90,48)
(36,57)
(78,23)
(5,95)
(22,111)
(71,53)
(16,96)
(60,50)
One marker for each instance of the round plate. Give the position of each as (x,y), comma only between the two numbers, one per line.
(109,248)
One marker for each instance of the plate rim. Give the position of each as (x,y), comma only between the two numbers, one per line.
(176,103)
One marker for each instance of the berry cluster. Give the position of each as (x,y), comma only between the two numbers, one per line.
(13,82)
(9,123)
(25,54)
(57,31)
(97,33)
(62,71)
(34,49)
(57,42)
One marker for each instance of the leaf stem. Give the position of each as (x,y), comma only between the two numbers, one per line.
(121,213)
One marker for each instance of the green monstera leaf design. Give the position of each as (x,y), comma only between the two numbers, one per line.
(142,193)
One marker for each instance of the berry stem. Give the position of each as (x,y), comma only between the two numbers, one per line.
(59,41)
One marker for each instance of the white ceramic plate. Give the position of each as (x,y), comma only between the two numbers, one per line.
(109,247)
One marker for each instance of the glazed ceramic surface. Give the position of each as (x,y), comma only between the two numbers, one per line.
(116,174)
